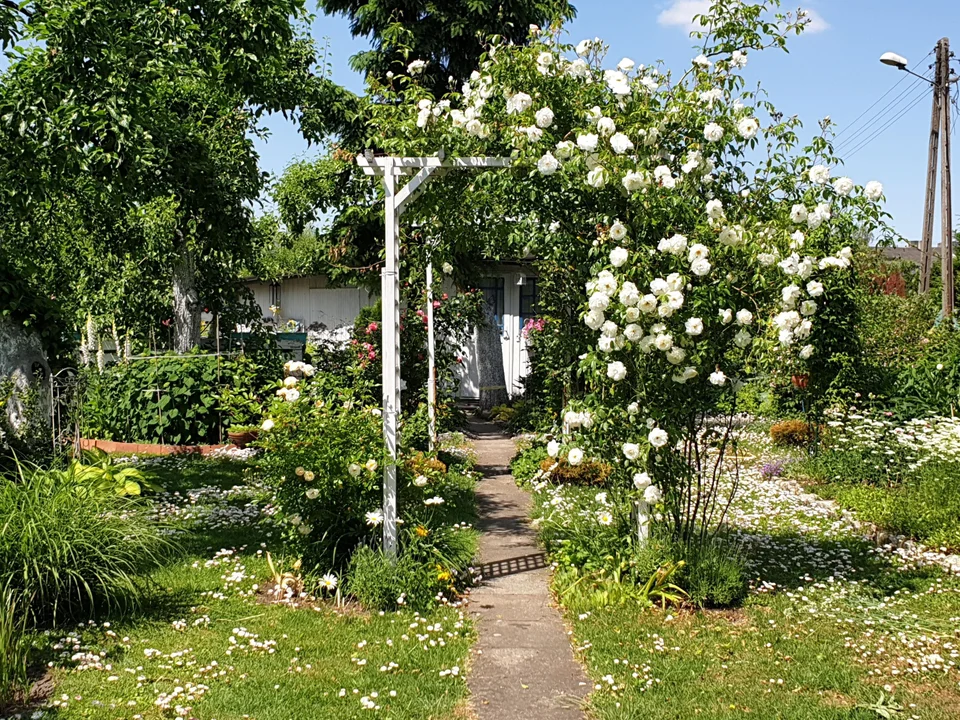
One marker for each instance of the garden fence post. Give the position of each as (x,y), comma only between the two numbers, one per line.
(390,322)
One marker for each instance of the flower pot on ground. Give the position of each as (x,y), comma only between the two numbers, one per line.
(242,435)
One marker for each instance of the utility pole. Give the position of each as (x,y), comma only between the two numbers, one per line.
(939,141)
(930,200)
(946,204)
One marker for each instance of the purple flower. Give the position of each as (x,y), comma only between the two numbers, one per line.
(773,469)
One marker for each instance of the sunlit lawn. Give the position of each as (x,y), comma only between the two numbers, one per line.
(831,625)
(233,655)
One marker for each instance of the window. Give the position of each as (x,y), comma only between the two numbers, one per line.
(529,299)
(492,289)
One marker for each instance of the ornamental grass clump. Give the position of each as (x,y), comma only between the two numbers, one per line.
(712,243)
(14,647)
(68,554)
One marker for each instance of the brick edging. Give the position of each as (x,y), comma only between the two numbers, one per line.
(111,446)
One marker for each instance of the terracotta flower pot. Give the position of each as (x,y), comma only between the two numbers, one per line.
(242,439)
(800,381)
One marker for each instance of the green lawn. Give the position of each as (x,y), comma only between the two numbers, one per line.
(831,623)
(784,657)
(207,632)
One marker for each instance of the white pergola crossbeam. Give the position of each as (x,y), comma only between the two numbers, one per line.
(395,201)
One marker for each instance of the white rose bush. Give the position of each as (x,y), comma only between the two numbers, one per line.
(716,244)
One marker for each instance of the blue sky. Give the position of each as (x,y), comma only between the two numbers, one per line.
(832,70)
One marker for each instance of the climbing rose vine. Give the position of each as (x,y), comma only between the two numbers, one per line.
(717,242)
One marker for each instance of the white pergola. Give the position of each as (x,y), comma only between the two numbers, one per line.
(389,169)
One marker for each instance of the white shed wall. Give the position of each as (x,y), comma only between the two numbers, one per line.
(310,300)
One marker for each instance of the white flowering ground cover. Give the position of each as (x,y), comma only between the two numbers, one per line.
(832,621)
(210,646)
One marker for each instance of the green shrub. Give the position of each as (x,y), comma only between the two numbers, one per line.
(604,555)
(587,473)
(433,562)
(714,574)
(70,554)
(324,466)
(14,648)
(931,384)
(526,463)
(323,458)
(791,433)
(177,399)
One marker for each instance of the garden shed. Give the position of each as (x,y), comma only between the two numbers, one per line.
(309,304)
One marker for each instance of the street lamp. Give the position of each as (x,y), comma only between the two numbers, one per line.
(900,63)
(894,60)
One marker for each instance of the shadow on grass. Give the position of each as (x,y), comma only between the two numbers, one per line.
(182,473)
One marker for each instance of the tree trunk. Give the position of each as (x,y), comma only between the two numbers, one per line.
(186,302)
(493,385)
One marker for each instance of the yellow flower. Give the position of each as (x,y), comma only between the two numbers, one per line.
(422,531)
(300,472)
(308,475)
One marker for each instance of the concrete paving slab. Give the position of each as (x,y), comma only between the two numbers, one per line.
(523,667)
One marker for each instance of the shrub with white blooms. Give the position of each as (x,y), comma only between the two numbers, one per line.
(716,241)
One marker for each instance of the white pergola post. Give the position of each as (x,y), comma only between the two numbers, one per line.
(390,168)
(431,362)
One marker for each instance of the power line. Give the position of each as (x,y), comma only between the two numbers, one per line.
(890,108)
(877,101)
(916,101)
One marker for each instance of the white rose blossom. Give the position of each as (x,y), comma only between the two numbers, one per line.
(658,437)
(713,132)
(618,256)
(518,103)
(564,150)
(587,142)
(618,231)
(620,143)
(748,128)
(873,190)
(544,117)
(616,371)
(606,126)
(548,164)
(843,186)
(819,174)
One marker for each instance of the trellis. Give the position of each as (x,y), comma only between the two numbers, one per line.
(390,168)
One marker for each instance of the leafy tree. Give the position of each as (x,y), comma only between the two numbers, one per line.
(450,35)
(134,120)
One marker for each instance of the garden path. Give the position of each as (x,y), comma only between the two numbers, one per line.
(522,666)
